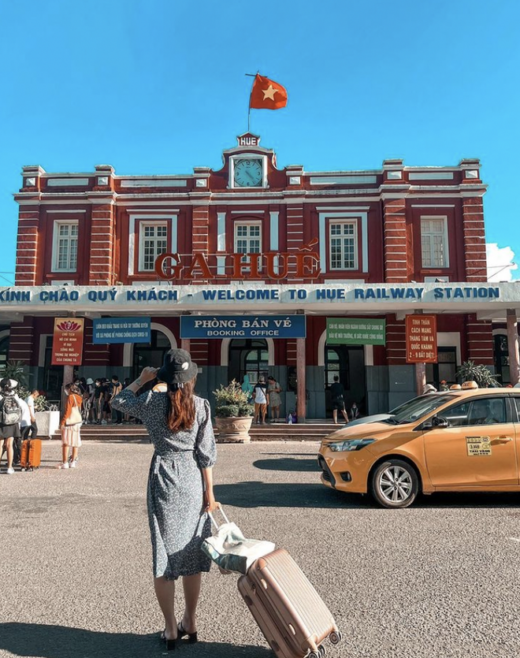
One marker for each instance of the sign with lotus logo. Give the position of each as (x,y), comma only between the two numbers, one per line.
(67,344)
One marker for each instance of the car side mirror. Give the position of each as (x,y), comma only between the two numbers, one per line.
(439,422)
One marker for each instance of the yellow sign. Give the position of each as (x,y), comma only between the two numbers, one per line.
(478,446)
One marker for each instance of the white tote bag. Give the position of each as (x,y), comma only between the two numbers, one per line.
(230,550)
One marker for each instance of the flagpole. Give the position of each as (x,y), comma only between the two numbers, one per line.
(250,75)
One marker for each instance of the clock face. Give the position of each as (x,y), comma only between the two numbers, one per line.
(248,173)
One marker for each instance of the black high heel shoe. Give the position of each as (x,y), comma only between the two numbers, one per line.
(170,644)
(192,637)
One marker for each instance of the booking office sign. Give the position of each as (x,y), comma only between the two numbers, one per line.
(251,326)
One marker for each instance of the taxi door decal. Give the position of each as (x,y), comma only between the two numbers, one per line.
(478,446)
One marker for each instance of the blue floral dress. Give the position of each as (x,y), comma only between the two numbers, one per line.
(178,523)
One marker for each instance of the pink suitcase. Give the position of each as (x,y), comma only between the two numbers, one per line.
(289,611)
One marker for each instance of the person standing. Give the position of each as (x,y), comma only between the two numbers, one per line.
(180,484)
(70,427)
(31,428)
(98,402)
(338,401)
(10,417)
(114,392)
(261,398)
(274,389)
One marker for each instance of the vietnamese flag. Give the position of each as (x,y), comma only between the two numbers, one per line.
(267,94)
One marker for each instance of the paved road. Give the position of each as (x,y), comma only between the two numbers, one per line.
(440,579)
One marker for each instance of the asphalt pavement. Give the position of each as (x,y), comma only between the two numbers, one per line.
(439,579)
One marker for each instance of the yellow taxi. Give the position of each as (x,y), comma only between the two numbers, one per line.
(458,440)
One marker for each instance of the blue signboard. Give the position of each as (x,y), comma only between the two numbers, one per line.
(121,330)
(250,326)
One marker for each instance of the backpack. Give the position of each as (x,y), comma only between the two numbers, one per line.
(10,411)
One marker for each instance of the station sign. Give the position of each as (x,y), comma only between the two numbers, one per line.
(251,326)
(356,331)
(121,330)
(421,339)
(67,342)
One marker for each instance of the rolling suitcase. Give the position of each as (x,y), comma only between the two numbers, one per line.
(289,611)
(31,454)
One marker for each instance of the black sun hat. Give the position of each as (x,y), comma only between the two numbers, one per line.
(178,368)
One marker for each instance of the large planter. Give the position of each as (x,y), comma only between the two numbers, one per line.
(48,423)
(234,429)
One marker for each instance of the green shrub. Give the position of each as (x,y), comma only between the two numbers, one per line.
(227,411)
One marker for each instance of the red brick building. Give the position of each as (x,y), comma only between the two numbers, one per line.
(397,227)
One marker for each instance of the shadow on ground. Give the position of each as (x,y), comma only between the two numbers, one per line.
(273,494)
(43,641)
(287,464)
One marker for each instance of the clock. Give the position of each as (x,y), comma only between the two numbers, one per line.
(248,173)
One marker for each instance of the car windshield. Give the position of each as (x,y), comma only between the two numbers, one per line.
(417,408)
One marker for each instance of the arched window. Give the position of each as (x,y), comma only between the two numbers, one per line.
(151,354)
(248,357)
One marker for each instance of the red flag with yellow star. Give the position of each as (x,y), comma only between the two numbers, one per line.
(267,94)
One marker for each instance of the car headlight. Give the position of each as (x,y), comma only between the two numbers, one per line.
(349,445)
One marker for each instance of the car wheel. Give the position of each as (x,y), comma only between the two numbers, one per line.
(395,484)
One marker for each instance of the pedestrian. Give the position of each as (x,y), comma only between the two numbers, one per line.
(274,389)
(354,411)
(338,401)
(25,429)
(70,427)
(261,398)
(31,428)
(180,484)
(107,409)
(115,389)
(247,387)
(88,401)
(10,417)
(98,401)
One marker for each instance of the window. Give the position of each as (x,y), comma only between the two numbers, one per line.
(248,238)
(65,248)
(343,246)
(434,242)
(153,243)
(486,411)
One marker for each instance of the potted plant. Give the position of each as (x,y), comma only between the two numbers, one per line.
(469,371)
(233,414)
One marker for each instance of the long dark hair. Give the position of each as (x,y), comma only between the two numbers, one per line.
(181,406)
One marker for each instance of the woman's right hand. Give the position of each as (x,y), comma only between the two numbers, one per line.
(210,504)
(147,374)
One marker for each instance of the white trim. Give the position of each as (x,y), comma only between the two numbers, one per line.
(55,238)
(64,211)
(66,182)
(154,182)
(495,332)
(224,351)
(323,216)
(260,211)
(274,228)
(247,156)
(433,205)
(221,231)
(128,350)
(321,348)
(342,180)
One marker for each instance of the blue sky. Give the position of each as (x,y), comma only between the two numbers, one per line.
(158,86)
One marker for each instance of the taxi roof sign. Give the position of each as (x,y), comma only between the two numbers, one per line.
(469,386)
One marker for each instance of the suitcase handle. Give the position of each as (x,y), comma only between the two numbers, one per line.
(223,514)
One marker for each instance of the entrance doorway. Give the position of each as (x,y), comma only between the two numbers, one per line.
(348,363)
(248,357)
(52,376)
(502,359)
(150,354)
(445,369)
